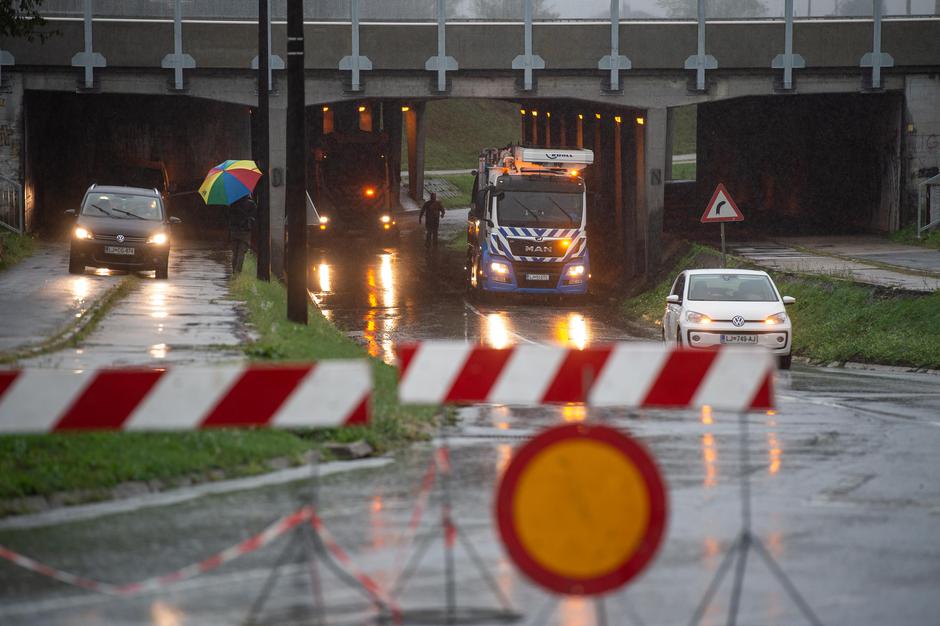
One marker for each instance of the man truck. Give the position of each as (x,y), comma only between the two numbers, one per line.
(526,231)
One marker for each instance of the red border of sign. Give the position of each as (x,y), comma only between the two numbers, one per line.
(738,216)
(649,543)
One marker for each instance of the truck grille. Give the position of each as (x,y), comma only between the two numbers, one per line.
(553,270)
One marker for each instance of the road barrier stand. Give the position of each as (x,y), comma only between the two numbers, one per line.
(626,375)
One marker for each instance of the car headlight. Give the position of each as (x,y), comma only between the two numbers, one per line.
(499,268)
(82,233)
(385,219)
(324,219)
(776,318)
(576,270)
(697,318)
(158,239)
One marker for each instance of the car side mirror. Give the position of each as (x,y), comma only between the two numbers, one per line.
(672,299)
(789,300)
(175,220)
(70,212)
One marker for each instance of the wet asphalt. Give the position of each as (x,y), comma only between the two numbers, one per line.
(845,496)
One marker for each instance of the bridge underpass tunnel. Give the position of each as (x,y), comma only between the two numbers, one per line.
(812,164)
(167,142)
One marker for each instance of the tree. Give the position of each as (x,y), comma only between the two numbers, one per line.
(21,18)
(506,9)
(688,9)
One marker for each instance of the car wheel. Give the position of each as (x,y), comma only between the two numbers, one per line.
(75,266)
(163,271)
(785,361)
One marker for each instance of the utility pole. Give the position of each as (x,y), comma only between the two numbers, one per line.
(264,144)
(296,167)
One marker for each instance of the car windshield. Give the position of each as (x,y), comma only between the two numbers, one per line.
(539,209)
(731,288)
(122,206)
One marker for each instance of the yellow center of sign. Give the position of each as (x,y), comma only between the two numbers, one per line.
(581,509)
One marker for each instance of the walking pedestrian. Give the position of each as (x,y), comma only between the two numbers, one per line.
(434,211)
(241,220)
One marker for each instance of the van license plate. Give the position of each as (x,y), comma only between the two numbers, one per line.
(536,276)
(739,339)
(119,250)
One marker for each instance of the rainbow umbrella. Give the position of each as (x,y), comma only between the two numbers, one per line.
(229,182)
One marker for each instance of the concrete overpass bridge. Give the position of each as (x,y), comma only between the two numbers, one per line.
(802,114)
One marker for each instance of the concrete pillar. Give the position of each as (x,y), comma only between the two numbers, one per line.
(617,181)
(579,131)
(563,129)
(392,120)
(523,125)
(651,146)
(278,126)
(534,128)
(547,137)
(416,130)
(921,138)
(667,172)
(12,152)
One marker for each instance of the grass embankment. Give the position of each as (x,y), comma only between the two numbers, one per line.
(14,248)
(833,319)
(458,129)
(463,182)
(88,465)
(908,235)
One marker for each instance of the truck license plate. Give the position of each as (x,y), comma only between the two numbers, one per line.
(121,250)
(536,276)
(739,339)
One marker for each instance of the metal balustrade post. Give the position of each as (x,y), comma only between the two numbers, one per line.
(441,63)
(177,61)
(528,62)
(788,61)
(876,59)
(614,61)
(701,61)
(275,62)
(355,62)
(88,59)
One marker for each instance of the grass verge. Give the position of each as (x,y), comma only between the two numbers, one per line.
(833,319)
(908,235)
(87,465)
(463,182)
(14,248)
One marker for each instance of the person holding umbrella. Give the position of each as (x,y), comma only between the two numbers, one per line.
(230,183)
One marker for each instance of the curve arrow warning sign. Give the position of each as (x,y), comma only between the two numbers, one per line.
(722,208)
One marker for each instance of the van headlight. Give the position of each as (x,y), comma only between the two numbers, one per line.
(158,239)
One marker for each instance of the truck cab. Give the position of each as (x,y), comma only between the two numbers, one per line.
(527,230)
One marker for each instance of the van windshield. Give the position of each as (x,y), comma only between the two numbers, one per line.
(539,209)
(122,206)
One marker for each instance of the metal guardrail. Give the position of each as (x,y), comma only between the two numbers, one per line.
(11,205)
(496,10)
(928,205)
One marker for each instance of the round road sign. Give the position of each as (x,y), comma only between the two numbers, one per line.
(581,509)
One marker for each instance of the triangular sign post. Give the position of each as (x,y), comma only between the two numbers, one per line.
(721,208)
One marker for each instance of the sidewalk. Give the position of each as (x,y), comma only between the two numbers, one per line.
(864,259)
(40,297)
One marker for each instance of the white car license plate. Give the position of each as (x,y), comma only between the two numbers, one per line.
(121,250)
(536,276)
(739,339)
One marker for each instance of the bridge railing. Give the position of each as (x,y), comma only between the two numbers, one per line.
(496,10)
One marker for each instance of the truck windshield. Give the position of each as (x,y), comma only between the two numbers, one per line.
(539,209)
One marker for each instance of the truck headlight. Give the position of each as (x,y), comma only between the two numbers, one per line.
(82,233)
(697,318)
(324,219)
(499,268)
(576,271)
(158,239)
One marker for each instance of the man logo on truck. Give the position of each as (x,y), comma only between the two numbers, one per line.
(542,249)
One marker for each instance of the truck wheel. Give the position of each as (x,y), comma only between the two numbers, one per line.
(784,362)
(163,270)
(75,266)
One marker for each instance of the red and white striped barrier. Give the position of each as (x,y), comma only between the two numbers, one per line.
(635,375)
(247,546)
(325,394)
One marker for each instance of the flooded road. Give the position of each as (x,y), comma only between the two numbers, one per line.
(842,474)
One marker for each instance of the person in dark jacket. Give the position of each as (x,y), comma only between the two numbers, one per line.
(434,211)
(241,220)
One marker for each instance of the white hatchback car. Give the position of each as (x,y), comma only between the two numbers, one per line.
(709,308)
